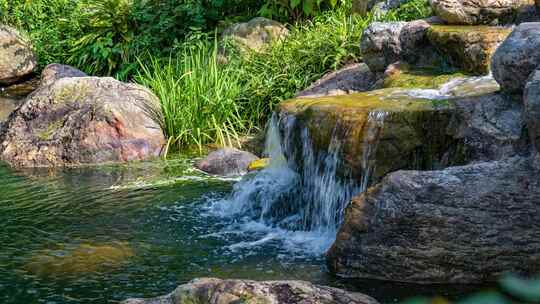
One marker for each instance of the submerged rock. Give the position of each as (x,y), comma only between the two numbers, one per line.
(517,57)
(469,48)
(16,57)
(256,34)
(80,259)
(475,12)
(532,107)
(459,225)
(226,161)
(217,291)
(86,120)
(55,71)
(350,79)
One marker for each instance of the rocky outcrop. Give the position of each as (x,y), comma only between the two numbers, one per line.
(217,291)
(459,225)
(362,7)
(475,12)
(517,57)
(55,71)
(226,161)
(384,43)
(532,108)
(350,79)
(469,48)
(16,57)
(86,120)
(256,34)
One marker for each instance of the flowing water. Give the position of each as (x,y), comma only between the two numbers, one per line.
(103,234)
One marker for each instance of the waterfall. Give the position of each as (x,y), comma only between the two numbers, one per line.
(301,192)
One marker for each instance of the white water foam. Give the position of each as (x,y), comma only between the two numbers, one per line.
(298,206)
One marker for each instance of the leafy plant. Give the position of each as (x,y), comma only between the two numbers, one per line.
(290,10)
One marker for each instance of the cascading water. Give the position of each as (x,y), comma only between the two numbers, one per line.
(300,203)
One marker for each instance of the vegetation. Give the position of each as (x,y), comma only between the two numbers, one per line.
(162,44)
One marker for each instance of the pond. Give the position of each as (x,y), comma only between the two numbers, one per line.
(104,234)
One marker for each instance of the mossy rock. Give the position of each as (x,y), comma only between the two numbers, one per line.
(469,48)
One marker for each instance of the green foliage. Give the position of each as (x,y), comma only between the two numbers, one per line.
(198,95)
(512,290)
(412,10)
(290,10)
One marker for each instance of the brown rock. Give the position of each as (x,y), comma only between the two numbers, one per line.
(256,34)
(16,57)
(226,161)
(217,291)
(86,120)
(55,71)
(468,47)
(475,12)
(459,225)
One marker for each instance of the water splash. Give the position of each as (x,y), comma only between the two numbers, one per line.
(300,198)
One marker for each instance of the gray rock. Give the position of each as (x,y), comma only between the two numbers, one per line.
(459,225)
(532,108)
(490,126)
(474,12)
(350,79)
(86,120)
(362,7)
(217,291)
(256,34)
(517,57)
(55,71)
(16,57)
(383,44)
(226,161)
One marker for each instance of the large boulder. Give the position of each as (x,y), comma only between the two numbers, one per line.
(469,48)
(517,57)
(350,79)
(16,57)
(256,34)
(86,120)
(217,291)
(532,108)
(475,12)
(459,225)
(384,43)
(226,161)
(55,71)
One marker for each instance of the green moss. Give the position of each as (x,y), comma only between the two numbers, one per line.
(421,79)
(49,131)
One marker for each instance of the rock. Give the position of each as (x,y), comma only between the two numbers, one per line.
(383,44)
(350,79)
(362,7)
(402,75)
(532,108)
(226,161)
(55,71)
(469,48)
(517,57)
(490,126)
(465,224)
(86,120)
(79,259)
(476,12)
(256,34)
(217,291)
(16,57)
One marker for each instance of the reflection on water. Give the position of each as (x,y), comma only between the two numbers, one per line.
(100,235)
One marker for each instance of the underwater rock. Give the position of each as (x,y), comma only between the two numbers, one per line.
(350,79)
(80,259)
(532,107)
(464,224)
(476,12)
(85,120)
(256,34)
(16,57)
(384,43)
(517,57)
(217,291)
(469,48)
(55,71)
(226,161)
